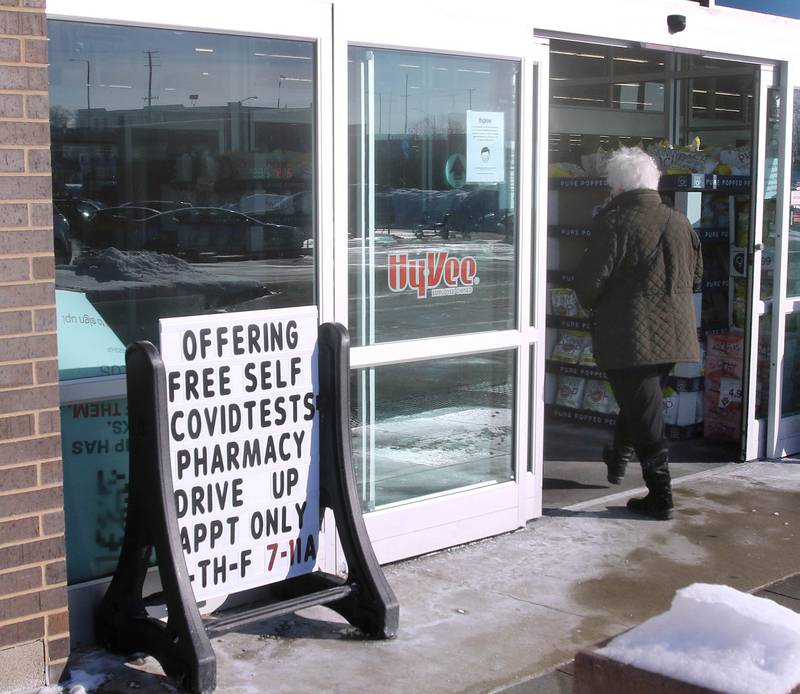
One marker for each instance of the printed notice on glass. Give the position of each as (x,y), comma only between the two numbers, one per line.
(244,445)
(485,147)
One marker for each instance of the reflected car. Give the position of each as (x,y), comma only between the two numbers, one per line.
(159,205)
(62,242)
(195,233)
(79,213)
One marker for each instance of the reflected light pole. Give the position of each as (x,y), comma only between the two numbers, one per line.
(247,98)
(280,81)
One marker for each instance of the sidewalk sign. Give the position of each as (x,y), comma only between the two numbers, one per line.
(239,439)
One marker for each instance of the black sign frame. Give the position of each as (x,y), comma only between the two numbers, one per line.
(182,644)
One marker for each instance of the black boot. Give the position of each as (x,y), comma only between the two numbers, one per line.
(616,459)
(658,502)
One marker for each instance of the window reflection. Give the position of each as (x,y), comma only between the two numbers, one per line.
(183,172)
(433,225)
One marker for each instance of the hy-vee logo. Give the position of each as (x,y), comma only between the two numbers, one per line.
(435,268)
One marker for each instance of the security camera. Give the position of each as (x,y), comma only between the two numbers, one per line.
(676,23)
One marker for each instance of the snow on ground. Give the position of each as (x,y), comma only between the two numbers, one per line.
(446,436)
(717,637)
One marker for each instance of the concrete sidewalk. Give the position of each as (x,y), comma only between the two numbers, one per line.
(496,614)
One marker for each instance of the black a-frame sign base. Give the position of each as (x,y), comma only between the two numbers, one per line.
(181,644)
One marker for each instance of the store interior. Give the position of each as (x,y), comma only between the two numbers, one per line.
(695,115)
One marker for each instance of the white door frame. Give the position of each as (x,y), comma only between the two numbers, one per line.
(454,518)
(783,433)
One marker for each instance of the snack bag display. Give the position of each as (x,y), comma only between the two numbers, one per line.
(570,391)
(564,302)
(587,355)
(570,345)
(598,397)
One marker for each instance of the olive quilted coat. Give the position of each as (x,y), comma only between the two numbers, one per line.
(639,285)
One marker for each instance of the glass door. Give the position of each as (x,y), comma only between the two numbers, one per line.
(783,432)
(433,274)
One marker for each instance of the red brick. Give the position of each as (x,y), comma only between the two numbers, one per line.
(52,472)
(18,478)
(10,23)
(55,597)
(32,24)
(39,398)
(14,269)
(12,160)
(30,450)
(47,372)
(19,606)
(23,187)
(11,105)
(24,241)
(21,632)
(17,427)
(20,295)
(57,623)
(58,649)
(15,322)
(49,422)
(18,530)
(31,3)
(39,161)
(42,215)
(29,78)
(28,347)
(38,106)
(21,581)
(10,50)
(53,523)
(56,573)
(9,3)
(32,552)
(44,269)
(13,215)
(16,375)
(35,51)
(30,502)
(44,319)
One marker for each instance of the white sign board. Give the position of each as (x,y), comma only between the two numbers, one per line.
(485,147)
(244,445)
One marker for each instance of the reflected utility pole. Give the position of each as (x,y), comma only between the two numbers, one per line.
(149,98)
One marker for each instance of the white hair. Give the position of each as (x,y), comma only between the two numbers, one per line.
(629,168)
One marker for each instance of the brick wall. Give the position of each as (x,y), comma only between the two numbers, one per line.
(32,568)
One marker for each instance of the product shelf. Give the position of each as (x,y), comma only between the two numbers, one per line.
(681,182)
(568,323)
(568,232)
(563,279)
(583,371)
(583,416)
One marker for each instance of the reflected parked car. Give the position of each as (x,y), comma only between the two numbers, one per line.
(62,243)
(79,213)
(196,233)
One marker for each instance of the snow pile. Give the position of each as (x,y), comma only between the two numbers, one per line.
(138,266)
(720,638)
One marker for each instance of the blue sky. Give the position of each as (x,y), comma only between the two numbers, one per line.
(786,8)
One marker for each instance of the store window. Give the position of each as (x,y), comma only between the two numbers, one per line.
(183,183)
(433,171)
(432,427)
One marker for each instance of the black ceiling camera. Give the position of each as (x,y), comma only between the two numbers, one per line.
(676,23)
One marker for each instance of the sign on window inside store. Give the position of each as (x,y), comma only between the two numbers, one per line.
(243,438)
(486,159)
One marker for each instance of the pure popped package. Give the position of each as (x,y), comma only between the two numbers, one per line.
(570,346)
(564,302)
(598,397)
(570,391)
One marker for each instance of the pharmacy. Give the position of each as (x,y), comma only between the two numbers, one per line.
(425,174)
